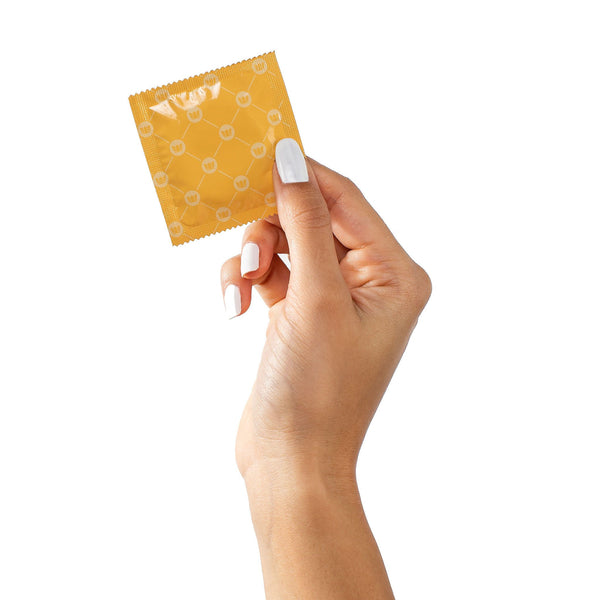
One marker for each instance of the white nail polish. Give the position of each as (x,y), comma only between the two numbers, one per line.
(291,163)
(250,262)
(233,301)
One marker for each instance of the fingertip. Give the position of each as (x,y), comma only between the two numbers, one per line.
(261,241)
(233,301)
(237,291)
(290,161)
(250,259)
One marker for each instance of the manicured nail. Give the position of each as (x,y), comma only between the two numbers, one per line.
(233,301)
(291,163)
(250,253)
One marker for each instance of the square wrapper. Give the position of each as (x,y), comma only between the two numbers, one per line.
(209,141)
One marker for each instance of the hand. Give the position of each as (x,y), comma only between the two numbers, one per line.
(338,323)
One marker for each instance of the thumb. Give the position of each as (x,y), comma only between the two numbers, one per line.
(305,218)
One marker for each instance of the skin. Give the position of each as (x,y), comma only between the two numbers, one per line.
(339,322)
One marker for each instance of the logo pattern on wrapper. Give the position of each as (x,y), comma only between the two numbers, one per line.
(210,144)
(258,150)
(175,229)
(145,128)
(177,147)
(226,132)
(210,80)
(161,94)
(259,66)
(223,213)
(243,99)
(274,117)
(192,198)
(209,165)
(194,114)
(241,183)
(161,179)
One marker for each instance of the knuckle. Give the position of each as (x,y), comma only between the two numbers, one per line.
(410,284)
(311,216)
(256,230)
(345,188)
(417,286)
(348,185)
(351,189)
(229,267)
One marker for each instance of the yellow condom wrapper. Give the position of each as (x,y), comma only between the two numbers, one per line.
(210,145)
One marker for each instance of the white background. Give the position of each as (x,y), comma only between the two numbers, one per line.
(472,127)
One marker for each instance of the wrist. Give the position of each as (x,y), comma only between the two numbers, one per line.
(283,458)
(282,489)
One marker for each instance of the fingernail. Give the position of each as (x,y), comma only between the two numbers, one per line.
(291,164)
(249,262)
(233,301)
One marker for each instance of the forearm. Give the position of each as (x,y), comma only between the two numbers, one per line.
(313,537)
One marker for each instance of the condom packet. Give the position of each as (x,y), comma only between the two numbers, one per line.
(209,141)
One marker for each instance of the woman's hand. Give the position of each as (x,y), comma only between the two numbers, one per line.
(339,321)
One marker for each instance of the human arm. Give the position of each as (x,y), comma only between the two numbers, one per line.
(339,321)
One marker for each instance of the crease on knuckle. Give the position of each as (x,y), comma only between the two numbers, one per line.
(344,188)
(311,216)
